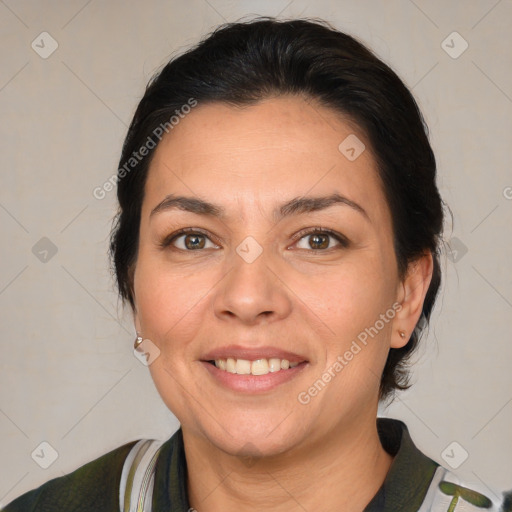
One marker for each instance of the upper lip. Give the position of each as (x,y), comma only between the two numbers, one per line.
(252,353)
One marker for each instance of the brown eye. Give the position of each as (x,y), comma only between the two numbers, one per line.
(321,239)
(189,241)
(194,241)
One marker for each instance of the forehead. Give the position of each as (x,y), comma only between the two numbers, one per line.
(256,156)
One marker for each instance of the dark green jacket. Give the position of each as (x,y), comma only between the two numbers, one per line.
(94,487)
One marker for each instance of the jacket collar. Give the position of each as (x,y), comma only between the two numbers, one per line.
(410,474)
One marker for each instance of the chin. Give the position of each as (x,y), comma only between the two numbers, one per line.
(253,439)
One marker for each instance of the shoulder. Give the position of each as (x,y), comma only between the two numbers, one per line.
(92,487)
(415,482)
(448,491)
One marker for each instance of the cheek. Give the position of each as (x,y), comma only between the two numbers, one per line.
(351,303)
(171,311)
(170,302)
(350,298)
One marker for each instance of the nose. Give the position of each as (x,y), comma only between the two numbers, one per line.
(252,293)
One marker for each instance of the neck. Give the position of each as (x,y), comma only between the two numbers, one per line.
(345,467)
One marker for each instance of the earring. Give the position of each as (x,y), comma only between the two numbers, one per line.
(402,334)
(137,342)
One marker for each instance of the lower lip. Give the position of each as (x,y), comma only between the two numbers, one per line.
(253,383)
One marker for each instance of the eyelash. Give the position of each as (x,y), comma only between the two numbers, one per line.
(341,239)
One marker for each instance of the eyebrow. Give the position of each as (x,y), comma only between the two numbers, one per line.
(296,206)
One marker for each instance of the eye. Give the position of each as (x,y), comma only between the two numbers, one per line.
(189,239)
(320,239)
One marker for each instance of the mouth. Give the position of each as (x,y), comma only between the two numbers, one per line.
(253,369)
(261,366)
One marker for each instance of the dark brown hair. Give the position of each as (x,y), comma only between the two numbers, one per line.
(243,63)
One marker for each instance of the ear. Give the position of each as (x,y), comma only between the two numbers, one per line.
(411,295)
(135,314)
(136,319)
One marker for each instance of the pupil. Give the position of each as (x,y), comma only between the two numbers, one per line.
(194,241)
(319,241)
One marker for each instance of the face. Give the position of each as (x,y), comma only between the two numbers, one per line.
(287,255)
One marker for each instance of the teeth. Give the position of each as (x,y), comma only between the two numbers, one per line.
(230,365)
(243,367)
(274,365)
(257,367)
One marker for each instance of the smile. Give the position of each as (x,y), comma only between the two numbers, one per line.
(256,367)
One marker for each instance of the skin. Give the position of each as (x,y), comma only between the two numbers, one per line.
(268,451)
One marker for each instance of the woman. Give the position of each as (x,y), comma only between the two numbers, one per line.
(278,243)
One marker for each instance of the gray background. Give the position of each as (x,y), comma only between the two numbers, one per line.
(68,375)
